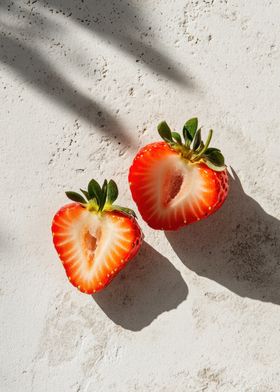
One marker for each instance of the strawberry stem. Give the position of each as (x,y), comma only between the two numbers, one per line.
(208,140)
(192,137)
(98,199)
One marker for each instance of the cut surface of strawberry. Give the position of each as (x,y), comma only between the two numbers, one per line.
(95,241)
(173,184)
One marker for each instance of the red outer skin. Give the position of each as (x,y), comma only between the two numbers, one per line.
(75,208)
(160,150)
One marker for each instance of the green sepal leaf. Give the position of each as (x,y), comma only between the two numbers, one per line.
(103,195)
(215,156)
(197,140)
(94,191)
(176,136)
(165,131)
(112,192)
(127,211)
(74,196)
(189,130)
(200,148)
(214,167)
(85,193)
(214,159)
(211,149)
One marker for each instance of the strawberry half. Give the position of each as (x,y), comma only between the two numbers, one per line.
(94,238)
(175,182)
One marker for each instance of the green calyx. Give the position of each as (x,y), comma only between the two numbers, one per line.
(192,147)
(98,199)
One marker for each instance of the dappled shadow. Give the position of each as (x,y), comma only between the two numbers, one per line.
(149,286)
(124,25)
(35,69)
(118,23)
(238,247)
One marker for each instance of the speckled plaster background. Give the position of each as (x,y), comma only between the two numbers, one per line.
(83,84)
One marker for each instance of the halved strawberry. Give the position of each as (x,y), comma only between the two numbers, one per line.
(94,238)
(175,183)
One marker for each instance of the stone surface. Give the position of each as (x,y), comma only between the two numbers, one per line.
(83,85)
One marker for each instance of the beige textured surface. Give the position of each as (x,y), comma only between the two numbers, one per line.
(83,85)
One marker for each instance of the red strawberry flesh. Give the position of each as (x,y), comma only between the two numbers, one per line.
(170,191)
(94,247)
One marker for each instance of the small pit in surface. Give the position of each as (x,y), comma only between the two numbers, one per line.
(173,184)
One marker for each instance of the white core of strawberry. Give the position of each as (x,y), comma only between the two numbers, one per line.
(97,239)
(171,185)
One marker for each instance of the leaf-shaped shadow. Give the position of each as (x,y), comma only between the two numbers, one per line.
(37,71)
(123,24)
